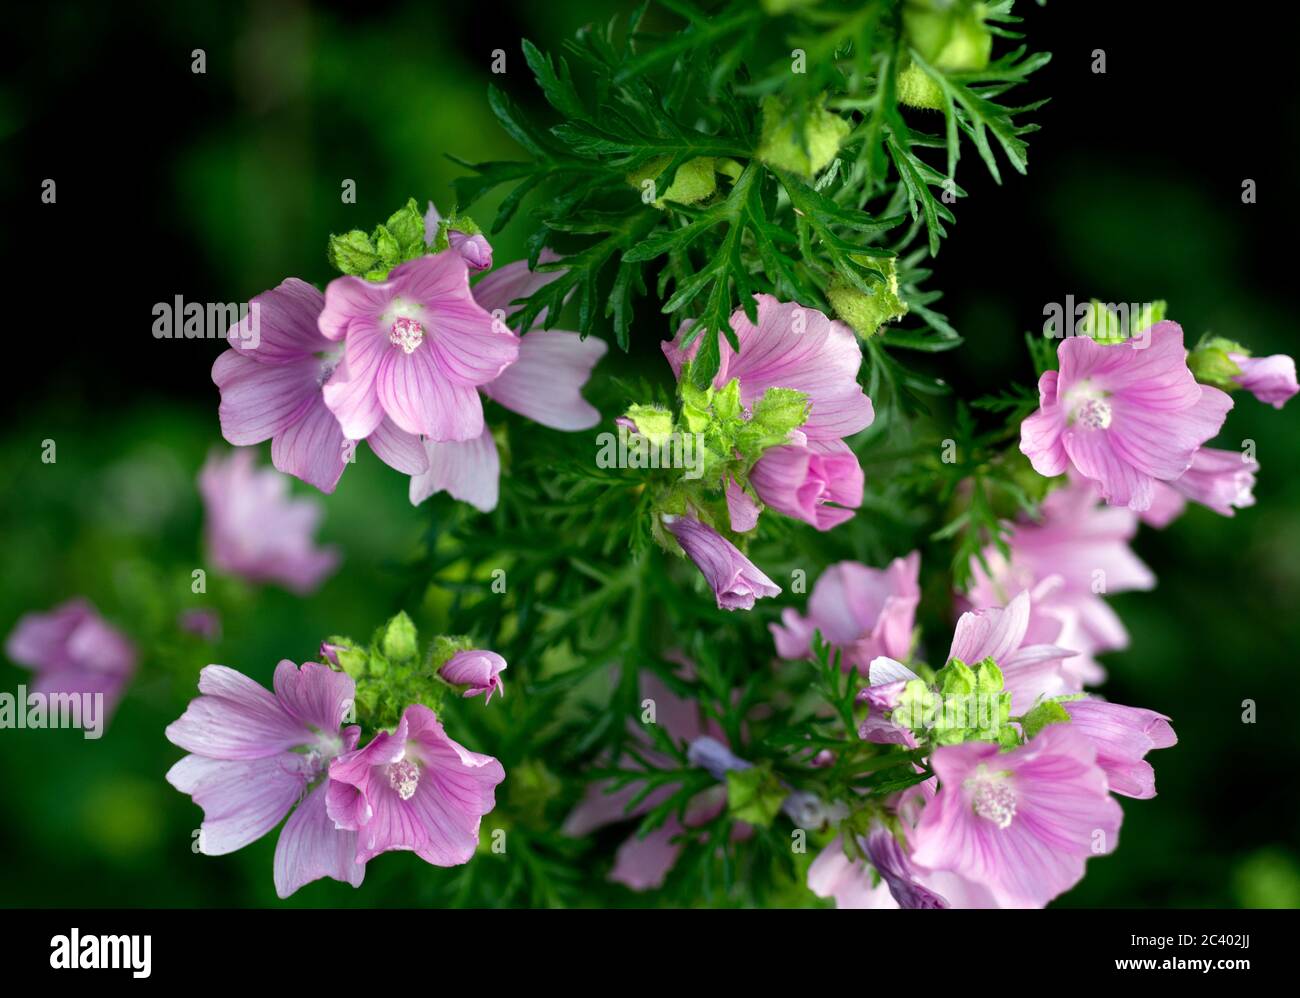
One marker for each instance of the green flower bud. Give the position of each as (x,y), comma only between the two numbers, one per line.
(400,642)
(806,155)
(916,89)
(694,180)
(866,313)
(948,34)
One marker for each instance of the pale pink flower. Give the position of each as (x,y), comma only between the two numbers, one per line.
(1125,415)
(417,346)
(864,612)
(256,530)
(1020,823)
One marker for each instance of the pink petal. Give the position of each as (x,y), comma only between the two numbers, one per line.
(312,447)
(398,449)
(241,800)
(467,470)
(310,847)
(261,400)
(545,383)
(419,399)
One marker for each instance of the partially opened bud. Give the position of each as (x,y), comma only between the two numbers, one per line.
(479,670)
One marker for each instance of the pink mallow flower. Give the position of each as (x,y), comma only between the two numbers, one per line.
(735,580)
(1272,379)
(800,480)
(479,670)
(416,348)
(1081,548)
(1125,415)
(1122,736)
(254,756)
(414,789)
(72,649)
(271,388)
(544,383)
(792,347)
(255,530)
(864,612)
(1020,823)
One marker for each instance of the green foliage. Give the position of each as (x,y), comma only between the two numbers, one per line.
(703,165)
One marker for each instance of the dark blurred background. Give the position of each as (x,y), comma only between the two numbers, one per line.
(216,186)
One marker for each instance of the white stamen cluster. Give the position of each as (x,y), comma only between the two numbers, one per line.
(404,777)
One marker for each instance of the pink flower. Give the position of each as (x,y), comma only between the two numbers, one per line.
(792,347)
(255,530)
(414,789)
(1269,379)
(799,480)
(1125,415)
(735,580)
(1020,823)
(72,649)
(255,755)
(416,348)
(479,670)
(864,612)
(1029,671)
(544,383)
(270,386)
(1084,545)
(1123,736)
(475,250)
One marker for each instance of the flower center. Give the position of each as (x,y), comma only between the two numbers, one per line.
(1093,413)
(992,797)
(406,333)
(404,777)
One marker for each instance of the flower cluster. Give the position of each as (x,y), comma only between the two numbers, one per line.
(770,433)
(258,755)
(400,358)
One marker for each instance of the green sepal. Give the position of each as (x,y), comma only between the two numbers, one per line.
(653,422)
(808,153)
(1047,712)
(352,253)
(1210,364)
(988,677)
(352,659)
(956,679)
(443,648)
